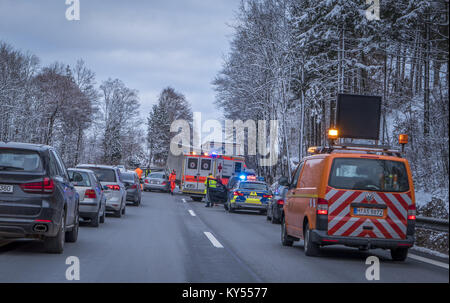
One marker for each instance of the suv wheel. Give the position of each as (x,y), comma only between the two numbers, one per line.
(399,254)
(55,245)
(72,236)
(285,239)
(311,249)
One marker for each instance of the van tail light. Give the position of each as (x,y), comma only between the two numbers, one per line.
(238,193)
(322,206)
(412,212)
(90,194)
(113,187)
(44,187)
(280,202)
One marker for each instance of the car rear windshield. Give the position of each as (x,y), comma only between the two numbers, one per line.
(20,160)
(156,176)
(253,186)
(79,178)
(369,174)
(104,174)
(127,177)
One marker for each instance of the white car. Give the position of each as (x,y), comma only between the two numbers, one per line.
(115,191)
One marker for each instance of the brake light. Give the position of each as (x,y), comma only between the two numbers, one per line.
(90,194)
(237,193)
(322,206)
(146,181)
(44,187)
(133,186)
(267,196)
(164,183)
(280,202)
(412,212)
(113,187)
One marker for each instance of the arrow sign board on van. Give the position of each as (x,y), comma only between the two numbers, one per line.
(358,117)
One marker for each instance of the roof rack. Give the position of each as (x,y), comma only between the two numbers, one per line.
(383,149)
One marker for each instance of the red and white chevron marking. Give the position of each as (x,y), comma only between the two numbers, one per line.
(342,223)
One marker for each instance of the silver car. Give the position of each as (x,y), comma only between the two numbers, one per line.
(92,197)
(115,192)
(157,181)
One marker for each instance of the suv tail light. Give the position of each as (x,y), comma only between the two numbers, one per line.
(412,212)
(90,194)
(113,187)
(238,193)
(322,206)
(44,187)
(280,202)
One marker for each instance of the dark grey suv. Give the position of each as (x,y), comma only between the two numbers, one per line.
(37,199)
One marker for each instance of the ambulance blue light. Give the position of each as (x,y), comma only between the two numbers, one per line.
(242,177)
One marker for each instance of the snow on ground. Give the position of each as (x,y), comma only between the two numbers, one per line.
(430,252)
(423,198)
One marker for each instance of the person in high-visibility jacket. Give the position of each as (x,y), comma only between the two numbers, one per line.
(210,182)
(139,173)
(172,179)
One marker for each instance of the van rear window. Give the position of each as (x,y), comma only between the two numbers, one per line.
(19,160)
(369,174)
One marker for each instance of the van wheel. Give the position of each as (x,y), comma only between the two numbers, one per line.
(55,245)
(399,254)
(311,249)
(285,239)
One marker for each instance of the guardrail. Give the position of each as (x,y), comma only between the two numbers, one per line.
(432,223)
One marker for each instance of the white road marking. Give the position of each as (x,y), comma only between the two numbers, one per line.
(191,212)
(429,261)
(213,239)
(184,200)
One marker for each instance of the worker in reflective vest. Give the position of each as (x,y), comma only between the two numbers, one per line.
(210,182)
(172,179)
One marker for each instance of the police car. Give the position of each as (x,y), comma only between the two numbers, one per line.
(249,193)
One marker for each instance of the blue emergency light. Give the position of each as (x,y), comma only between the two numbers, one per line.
(242,177)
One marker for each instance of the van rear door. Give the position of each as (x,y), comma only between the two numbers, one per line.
(368,197)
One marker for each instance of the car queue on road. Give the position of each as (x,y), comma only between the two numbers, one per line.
(41,199)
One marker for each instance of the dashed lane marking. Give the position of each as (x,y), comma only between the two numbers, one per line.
(191,212)
(213,239)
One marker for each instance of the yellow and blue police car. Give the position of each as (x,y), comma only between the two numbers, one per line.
(249,193)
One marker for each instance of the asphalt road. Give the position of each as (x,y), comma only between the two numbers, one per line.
(169,240)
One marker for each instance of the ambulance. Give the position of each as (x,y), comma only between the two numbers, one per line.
(351,194)
(193,168)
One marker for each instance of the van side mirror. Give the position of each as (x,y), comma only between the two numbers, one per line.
(283,181)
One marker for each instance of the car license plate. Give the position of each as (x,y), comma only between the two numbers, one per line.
(6,189)
(372,212)
(154,182)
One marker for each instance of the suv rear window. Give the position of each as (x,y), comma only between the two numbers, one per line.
(369,174)
(19,160)
(104,174)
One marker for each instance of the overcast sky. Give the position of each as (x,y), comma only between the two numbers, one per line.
(148,44)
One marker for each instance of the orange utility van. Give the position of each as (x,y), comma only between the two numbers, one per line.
(358,196)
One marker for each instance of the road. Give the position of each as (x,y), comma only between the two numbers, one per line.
(169,240)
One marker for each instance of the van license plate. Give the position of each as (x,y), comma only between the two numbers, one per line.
(6,189)
(373,212)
